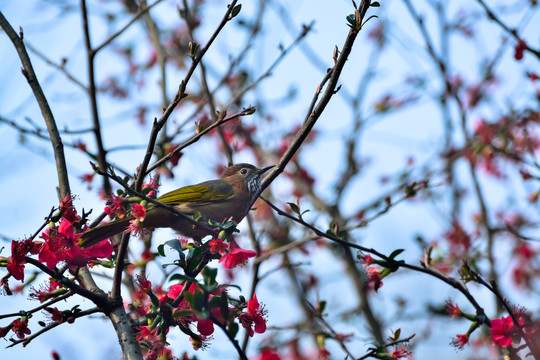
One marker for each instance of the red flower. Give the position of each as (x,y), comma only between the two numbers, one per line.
(152,184)
(55,315)
(217,246)
(143,283)
(61,245)
(254,316)
(452,309)
(458,239)
(532,76)
(16,268)
(236,256)
(46,291)
(519,49)
(460,341)
(501,331)
(323,353)
(68,210)
(367,260)
(20,328)
(138,211)
(399,353)
(115,207)
(87,178)
(136,228)
(269,354)
(374,278)
(19,250)
(100,250)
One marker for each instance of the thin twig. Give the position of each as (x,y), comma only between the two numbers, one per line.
(450,281)
(28,72)
(513,32)
(92,93)
(119,32)
(27,339)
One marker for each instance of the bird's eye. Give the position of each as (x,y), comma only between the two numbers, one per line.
(243,171)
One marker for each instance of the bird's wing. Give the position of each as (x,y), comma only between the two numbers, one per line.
(205,192)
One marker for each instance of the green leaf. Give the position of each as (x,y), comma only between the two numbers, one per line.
(375,4)
(198,303)
(235,11)
(175,244)
(396,253)
(193,259)
(179,277)
(161,250)
(322,306)
(294,208)
(209,276)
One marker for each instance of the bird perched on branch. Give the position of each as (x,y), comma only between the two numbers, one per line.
(229,197)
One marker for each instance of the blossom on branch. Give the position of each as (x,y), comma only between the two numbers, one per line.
(254,316)
(502,330)
(138,211)
(236,256)
(452,309)
(19,250)
(460,341)
(217,246)
(20,328)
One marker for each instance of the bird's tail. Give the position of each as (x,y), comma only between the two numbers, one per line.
(102,232)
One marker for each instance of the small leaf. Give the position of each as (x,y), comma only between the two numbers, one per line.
(396,253)
(235,11)
(175,244)
(193,259)
(375,4)
(294,208)
(322,306)
(161,250)
(209,276)
(249,111)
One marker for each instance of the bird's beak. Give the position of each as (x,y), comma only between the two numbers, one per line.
(265,169)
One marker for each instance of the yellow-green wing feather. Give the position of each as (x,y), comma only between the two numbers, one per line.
(205,192)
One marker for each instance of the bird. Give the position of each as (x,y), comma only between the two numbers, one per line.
(229,197)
